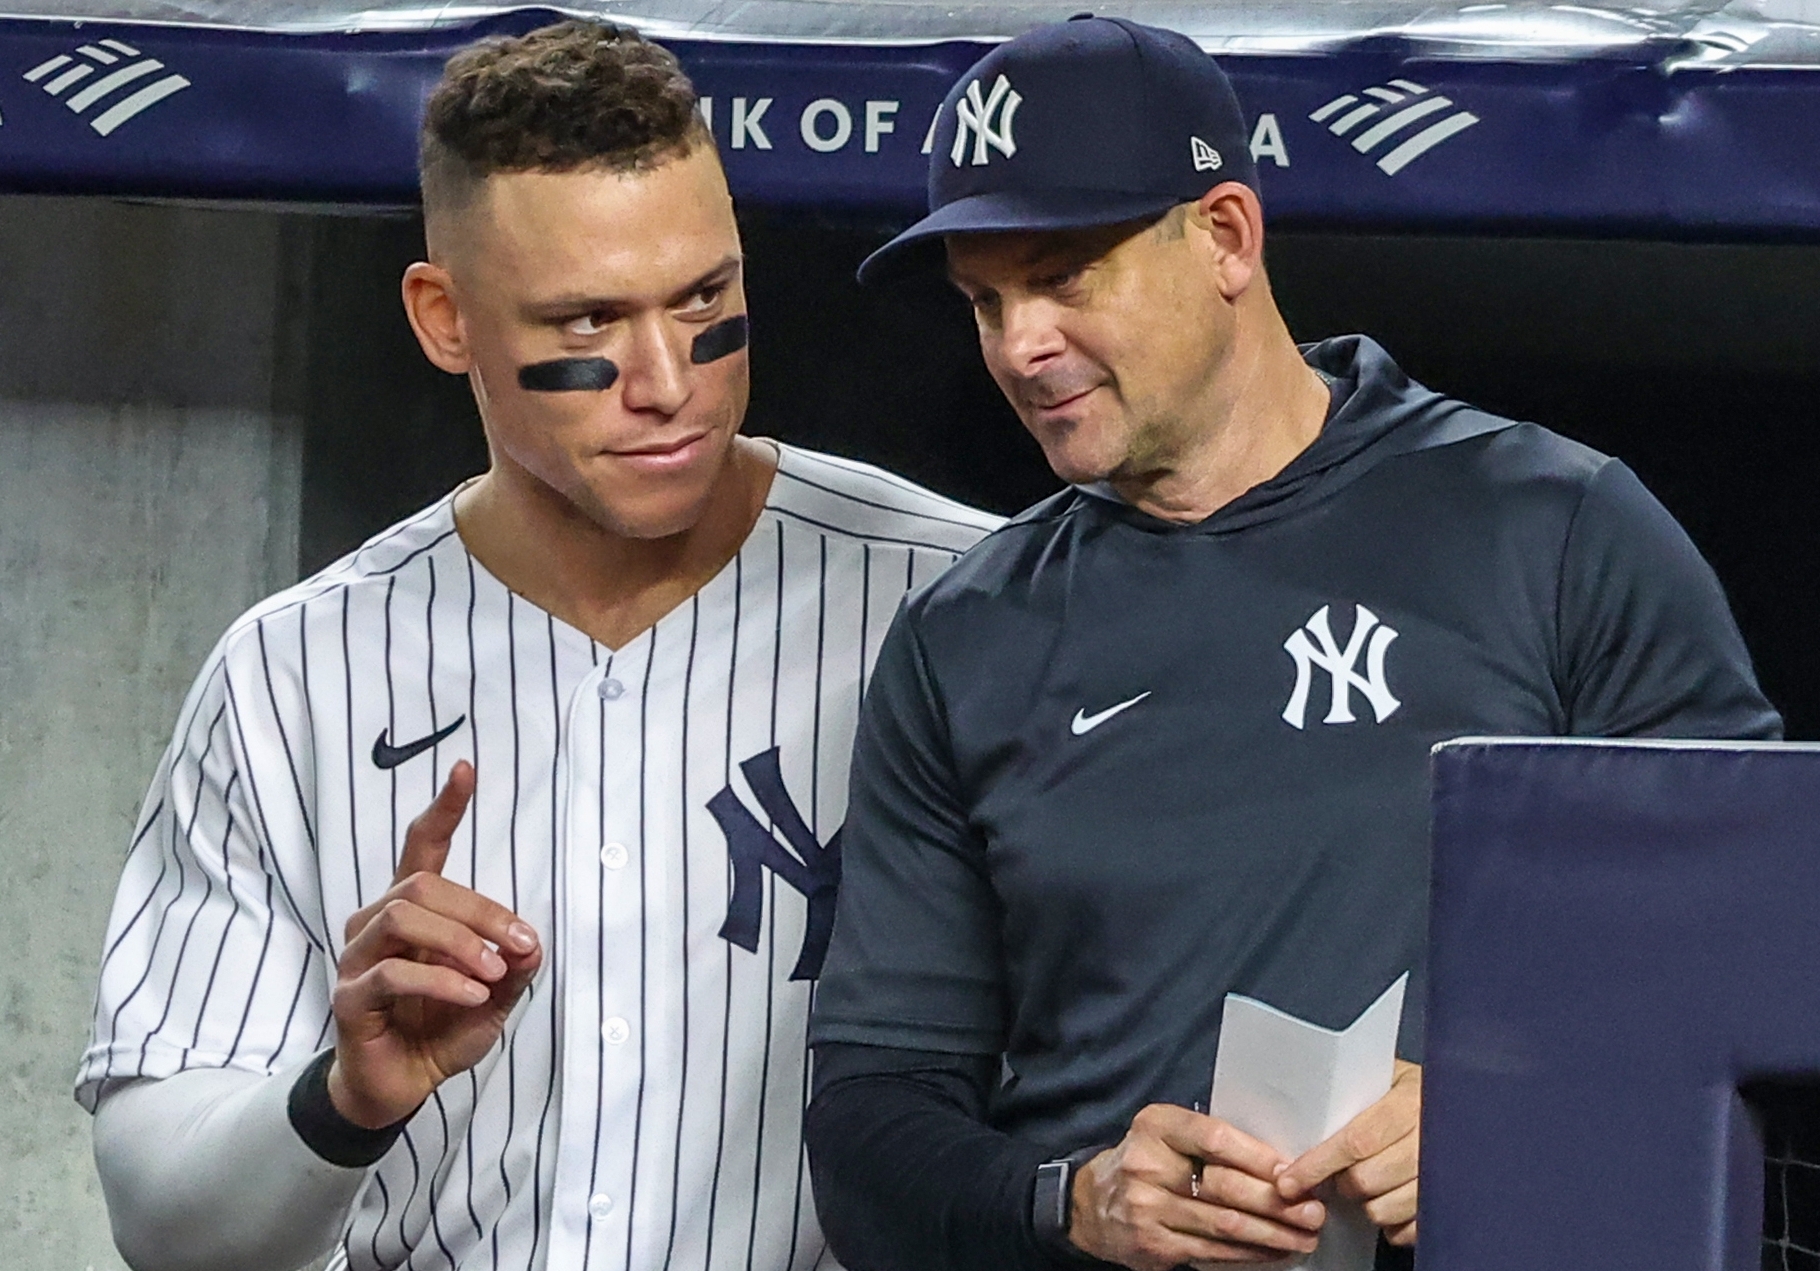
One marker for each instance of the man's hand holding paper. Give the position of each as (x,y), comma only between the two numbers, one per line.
(1137,1204)
(1372,1159)
(1338,1102)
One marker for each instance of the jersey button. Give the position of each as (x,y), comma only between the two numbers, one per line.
(599,1206)
(614,856)
(611,690)
(616,1031)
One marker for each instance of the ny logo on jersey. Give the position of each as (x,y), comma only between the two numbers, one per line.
(813,869)
(974,118)
(1370,637)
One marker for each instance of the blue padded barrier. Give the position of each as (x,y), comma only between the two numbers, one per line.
(1379,131)
(1621,935)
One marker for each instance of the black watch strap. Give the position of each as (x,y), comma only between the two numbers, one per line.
(324,1130)
(1052,1203)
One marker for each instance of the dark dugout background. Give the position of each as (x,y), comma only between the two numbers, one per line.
(1698,364)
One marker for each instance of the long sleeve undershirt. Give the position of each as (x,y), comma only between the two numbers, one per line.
(203,1172)
(908,1176)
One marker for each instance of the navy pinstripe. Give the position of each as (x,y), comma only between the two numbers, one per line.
(644,1108)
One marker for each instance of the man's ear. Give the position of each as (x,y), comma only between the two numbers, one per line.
(435,316)
(1232,220)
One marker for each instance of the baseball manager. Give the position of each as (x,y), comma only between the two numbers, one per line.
(1165,735)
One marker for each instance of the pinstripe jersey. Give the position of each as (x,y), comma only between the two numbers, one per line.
(665,814)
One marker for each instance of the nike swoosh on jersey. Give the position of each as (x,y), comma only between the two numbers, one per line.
(1085,723)
(385,756)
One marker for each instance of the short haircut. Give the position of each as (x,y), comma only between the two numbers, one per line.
(577,95)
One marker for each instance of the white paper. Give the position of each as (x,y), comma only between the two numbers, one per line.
(1293,1084)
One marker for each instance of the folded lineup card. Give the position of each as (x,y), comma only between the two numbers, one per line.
(1293,1084)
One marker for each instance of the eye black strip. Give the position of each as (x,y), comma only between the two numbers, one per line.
(570,375)
(597,374)
(720,340)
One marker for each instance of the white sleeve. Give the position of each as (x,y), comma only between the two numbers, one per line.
(203,1172)
(217,952)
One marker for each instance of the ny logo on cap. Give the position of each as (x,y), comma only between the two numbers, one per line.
(975,116)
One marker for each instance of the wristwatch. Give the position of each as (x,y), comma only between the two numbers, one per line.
(1052,1201)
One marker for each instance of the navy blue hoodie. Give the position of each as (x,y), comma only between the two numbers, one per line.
(1111,768)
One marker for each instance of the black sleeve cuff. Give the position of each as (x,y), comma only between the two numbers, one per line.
(325,1131)
(1052,1207)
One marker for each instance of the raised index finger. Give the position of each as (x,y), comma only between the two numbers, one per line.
(426,842)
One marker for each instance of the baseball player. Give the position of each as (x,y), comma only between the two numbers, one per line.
(1165,735)
(559,1018)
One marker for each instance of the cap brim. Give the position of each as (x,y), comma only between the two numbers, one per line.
(1006,211)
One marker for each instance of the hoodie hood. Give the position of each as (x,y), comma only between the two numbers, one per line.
(1378,413)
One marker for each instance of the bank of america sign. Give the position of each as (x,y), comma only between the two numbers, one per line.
(1395,123)
(108,83)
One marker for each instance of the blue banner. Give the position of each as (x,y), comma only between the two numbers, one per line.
(1376,135)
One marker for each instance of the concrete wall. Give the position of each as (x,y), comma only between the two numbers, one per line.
(149,487)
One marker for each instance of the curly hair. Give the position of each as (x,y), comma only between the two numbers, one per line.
(566,97)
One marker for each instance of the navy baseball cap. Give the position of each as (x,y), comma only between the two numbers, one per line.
(1079,123)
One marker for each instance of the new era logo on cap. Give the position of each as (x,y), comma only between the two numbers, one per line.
(975,118)
(1206,158)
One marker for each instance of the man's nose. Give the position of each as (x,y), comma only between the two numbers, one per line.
(654,370)
(1028,335)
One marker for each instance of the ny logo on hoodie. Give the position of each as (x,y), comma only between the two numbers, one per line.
(1370,637)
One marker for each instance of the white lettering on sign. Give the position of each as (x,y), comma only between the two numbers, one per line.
(828,125)
(811,125)
(746,124)
(878,122)
(1267,139)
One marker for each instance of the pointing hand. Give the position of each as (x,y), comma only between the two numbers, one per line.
(429,976)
